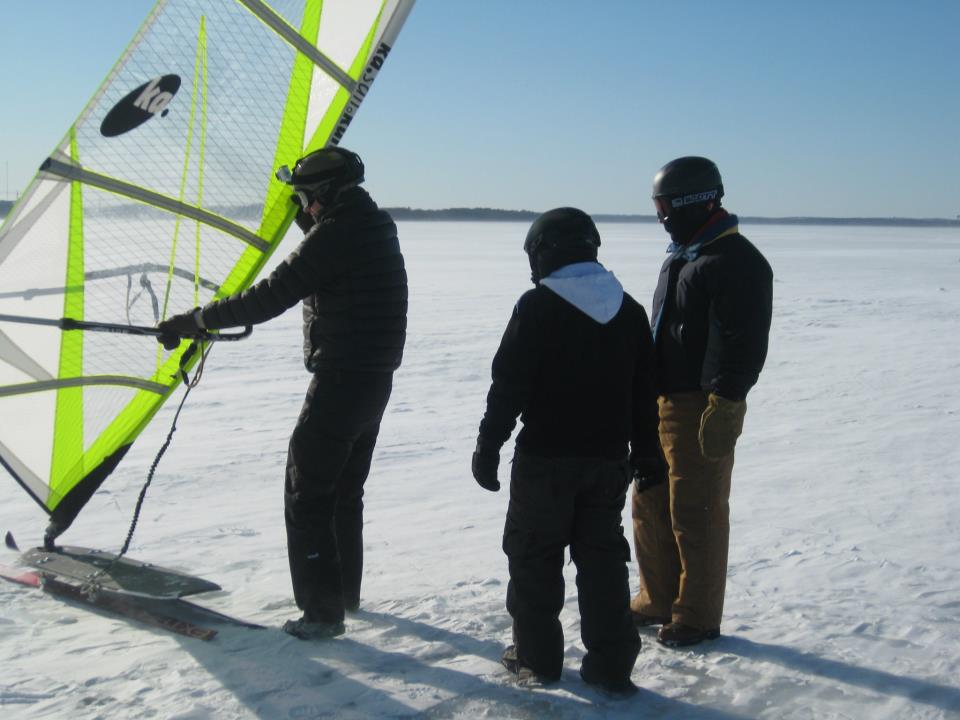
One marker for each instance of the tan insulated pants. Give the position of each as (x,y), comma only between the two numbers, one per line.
(681,528)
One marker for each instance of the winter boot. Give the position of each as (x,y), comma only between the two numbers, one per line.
(306,630)
(525,676)
(679,635)
(621,688)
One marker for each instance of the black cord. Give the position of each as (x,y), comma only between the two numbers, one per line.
(190,384)
(153,469)
(91,586)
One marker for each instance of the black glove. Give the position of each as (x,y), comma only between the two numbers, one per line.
(176,327)
(484,466)
(648,470)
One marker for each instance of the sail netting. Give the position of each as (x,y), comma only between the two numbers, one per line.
(162,197)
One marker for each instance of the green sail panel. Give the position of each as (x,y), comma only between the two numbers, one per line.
(161,196)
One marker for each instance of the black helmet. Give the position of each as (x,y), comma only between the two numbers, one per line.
(687,181)
(323,174)
(560,237)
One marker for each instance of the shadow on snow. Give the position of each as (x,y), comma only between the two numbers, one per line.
(274,675)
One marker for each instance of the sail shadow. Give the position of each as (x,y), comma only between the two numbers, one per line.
(920,691)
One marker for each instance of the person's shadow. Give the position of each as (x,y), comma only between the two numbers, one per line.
(920,691)
(274,675)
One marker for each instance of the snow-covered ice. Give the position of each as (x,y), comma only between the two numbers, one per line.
(844,586)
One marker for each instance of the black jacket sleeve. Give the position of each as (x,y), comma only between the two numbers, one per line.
(514,367)
(742,310)
(298,276)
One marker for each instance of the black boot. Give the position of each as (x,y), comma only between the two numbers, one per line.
(525,676)
(619,688)
(306,630)
(680,635)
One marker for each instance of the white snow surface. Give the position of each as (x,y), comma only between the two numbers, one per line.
(843,598)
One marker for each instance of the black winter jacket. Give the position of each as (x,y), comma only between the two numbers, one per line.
(350,274)
(581,388)
(712,314)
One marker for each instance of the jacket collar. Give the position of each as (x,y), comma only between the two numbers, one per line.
(720,224)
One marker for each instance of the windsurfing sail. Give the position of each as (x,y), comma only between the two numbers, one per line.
(161,197)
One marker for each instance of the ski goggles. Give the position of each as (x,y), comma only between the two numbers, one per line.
(665,204)
(285,175)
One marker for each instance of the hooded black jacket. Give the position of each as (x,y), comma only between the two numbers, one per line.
(581,388)
(712,314)
(349,273)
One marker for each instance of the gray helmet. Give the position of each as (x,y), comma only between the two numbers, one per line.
(323,175)
(688,181)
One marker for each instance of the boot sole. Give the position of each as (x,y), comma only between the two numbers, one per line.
(673,643)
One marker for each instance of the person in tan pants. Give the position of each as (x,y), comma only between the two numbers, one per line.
(681,527)
(711,321)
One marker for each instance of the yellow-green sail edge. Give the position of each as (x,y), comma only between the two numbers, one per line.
(278,213)
(67,465)
(67,451)
(75,475)
(71,484)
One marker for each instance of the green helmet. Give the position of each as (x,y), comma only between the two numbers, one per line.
(323,175)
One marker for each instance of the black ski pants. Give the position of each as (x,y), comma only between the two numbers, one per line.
(555,502)
(327,465)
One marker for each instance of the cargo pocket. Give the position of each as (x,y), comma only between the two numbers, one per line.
(535,519)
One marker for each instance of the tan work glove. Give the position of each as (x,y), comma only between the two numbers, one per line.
(720,426)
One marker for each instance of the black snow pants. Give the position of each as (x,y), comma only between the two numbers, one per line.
(555,502)
(327,465)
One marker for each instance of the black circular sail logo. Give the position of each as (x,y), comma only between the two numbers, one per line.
(151,98)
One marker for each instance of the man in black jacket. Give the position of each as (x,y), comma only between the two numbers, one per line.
(349,273)
(711,320)
(575,364)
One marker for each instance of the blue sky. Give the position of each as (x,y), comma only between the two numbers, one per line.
(809,108)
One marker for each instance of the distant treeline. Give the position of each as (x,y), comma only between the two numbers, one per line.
(493,214)
(498,215)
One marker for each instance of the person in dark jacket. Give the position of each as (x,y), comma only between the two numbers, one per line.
(349,273)
(711,321)
(575,364)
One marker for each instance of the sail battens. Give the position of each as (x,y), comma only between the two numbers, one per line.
(283,29)
(14,233)
(160,197)
(23,474)
(68,171)
(14,355)
(124,271)
(59,384)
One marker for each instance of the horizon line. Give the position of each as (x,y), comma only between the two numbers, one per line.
(500,214)
(483,213)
